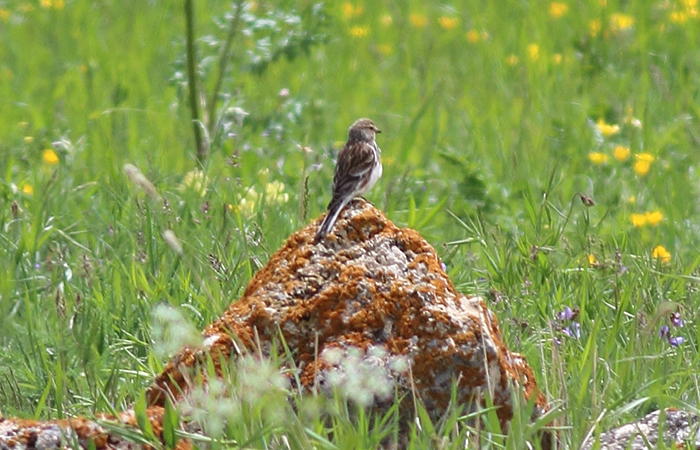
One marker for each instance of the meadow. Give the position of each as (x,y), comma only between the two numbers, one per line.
(548,150)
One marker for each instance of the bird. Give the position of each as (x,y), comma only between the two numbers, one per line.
(358,168)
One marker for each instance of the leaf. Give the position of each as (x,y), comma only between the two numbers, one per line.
(411,211)
(171,422)
(142,419)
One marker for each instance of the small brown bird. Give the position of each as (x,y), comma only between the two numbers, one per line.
(358,168)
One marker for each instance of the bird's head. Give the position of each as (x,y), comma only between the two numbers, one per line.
(363,130)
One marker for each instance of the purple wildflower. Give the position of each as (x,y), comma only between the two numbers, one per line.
(573,330)
(567,314)
(676,319)
(665,332)
(676,341)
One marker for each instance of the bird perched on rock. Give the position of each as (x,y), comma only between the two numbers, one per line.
(358,168)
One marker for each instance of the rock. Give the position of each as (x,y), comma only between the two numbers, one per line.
(680,429)
(376,293)
(19,434)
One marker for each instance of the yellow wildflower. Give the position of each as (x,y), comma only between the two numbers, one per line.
(679,17)
(386,20)
(607,129)
(274,192)
(592,260)
(638,220)
(621,22)
(55,4)
(512,60)
(533,52)
(594,27)
(418,20)
(643,163)
(49,156)
(195,180)
(4,15)
(641,167)
(28,189)
(247,204)
(558,9)
(598,158)
(661,254)
(359,32)
(691,8)
(28,139)
(350,11)
(621,153)
(473,36)
(557,58)
(448,23)
(632,199)
(654,218)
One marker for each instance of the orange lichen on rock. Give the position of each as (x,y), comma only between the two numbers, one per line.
(19,434)
(368,284)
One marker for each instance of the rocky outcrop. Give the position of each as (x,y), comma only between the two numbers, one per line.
(369,292)
(367,284)
(678,429)
(18,434)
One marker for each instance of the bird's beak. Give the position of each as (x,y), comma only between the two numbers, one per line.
(377,130)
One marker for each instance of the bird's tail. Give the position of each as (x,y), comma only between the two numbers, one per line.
(334,209)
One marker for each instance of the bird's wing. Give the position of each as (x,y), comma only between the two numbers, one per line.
(354,161)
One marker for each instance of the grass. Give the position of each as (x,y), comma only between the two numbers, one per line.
(490,113)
